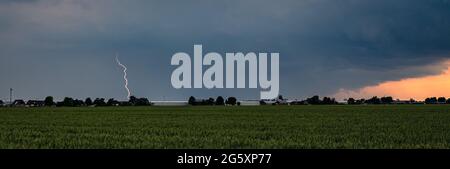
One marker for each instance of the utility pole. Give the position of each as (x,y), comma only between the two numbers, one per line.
(10,96)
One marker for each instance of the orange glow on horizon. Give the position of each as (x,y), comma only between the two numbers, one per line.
(417,88)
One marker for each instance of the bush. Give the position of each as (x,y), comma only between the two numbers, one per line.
(220,101)
(231,101)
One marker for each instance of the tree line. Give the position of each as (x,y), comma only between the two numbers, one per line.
(70,102)
(210,101)
(390,100)
(434,100)
(134,101)
(315,100)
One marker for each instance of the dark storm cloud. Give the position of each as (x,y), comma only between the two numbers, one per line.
(66,47)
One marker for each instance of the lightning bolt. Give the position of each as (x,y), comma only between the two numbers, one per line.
(124,75)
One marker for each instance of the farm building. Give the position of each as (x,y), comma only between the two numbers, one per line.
(275,102)
(35,103)
(18,103)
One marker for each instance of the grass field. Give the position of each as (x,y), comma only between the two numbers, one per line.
(388,126)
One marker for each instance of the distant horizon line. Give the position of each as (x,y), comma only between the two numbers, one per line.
(215,97)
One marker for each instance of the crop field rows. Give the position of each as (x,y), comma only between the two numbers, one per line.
(337,126)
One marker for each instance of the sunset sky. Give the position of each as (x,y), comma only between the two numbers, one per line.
(346,48)
(417,88)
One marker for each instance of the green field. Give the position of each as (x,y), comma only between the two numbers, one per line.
(383,126)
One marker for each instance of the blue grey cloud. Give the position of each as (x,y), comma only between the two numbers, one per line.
(66,48)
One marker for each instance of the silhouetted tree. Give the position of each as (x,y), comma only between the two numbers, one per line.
(68,102)
(99,102)
(327,100)
(220,101)
(231,101)
(210,101)
(360,101)
(142,102)
(373,100)
(49,101)
(441,100)
(280,97)
(78,103)
(448,101)
(350,101)
(431,100)
(112,102)
(427,101)
(88,101)
(191,100)
(387,100)
(313,100)
(1,102)
(133,100)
